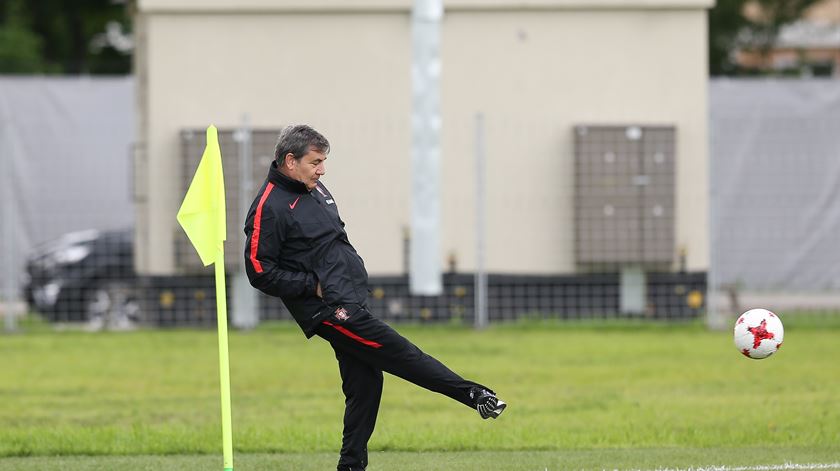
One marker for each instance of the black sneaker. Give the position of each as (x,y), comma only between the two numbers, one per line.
(487,404)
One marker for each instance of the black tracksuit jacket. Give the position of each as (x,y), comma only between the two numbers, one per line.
(295,239)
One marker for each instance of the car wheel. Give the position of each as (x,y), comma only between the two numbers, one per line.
(112,305)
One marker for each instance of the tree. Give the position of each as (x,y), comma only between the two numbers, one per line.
(64,37)
(20,48)
(726,19)
(730,29)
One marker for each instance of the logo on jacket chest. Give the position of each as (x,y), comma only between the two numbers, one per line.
(327,197)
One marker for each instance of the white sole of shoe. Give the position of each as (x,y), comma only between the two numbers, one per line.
(500,407)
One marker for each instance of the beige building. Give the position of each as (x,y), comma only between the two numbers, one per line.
(535,68)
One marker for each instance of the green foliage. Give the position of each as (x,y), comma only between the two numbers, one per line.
(20,48)
(726,19)
(20,51)
(651,392)
(729,29)
(61,37)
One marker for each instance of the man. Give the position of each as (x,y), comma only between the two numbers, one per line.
(297,249)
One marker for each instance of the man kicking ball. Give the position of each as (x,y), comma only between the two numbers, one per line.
(297,249)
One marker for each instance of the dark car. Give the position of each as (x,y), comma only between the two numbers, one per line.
(85,276)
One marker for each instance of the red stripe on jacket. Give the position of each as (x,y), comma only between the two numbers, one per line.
(255,236)
(369,343)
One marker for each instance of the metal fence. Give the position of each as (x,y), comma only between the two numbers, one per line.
(64,180)
(774,206)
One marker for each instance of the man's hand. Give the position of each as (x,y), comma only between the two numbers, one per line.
(318,290)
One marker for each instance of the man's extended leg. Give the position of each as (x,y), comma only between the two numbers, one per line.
(362,386)
(371,340)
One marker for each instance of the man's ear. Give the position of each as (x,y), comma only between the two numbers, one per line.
(289,161)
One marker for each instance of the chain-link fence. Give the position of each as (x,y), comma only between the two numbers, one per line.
(612,219)
(774,198)
(64,177)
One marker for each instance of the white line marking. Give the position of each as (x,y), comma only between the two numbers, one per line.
(772,467)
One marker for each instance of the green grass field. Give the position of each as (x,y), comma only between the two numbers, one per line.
(593,396)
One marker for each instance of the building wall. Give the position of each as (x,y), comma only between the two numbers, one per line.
(534,69)
(826,10)
(536,75)
(821,11)
(812,40)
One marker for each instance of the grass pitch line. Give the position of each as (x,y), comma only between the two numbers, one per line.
(773,467)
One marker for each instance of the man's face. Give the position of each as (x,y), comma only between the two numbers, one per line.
(308,169)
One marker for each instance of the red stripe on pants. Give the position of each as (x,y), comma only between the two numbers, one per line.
(369,343)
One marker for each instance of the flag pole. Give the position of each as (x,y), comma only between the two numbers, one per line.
(202,215)
(224,364)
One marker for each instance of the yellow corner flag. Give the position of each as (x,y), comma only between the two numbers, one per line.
(202,215)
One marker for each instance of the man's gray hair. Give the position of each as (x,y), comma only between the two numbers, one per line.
(299,139)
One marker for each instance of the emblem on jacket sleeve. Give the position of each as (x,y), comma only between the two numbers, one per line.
(341,314)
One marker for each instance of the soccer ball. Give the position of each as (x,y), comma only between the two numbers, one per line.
(758,333)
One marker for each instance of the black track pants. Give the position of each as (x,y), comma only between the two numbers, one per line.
(365,347)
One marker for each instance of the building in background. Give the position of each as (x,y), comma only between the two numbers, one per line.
(539,71)
(595,151)
(807,46)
